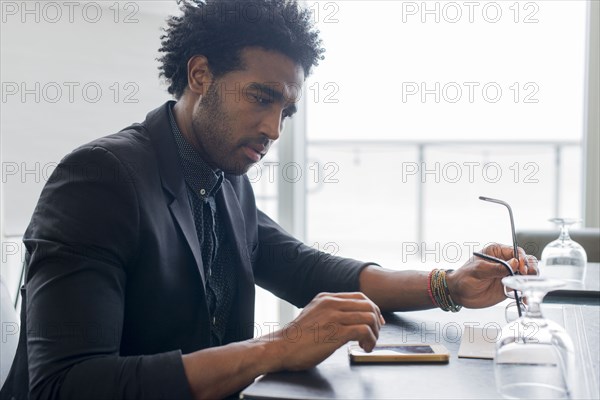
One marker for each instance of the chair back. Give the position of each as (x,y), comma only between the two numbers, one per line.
(534,241)
(9,323)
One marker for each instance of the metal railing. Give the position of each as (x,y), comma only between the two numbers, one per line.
(422,146)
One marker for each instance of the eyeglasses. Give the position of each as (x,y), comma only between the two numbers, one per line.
(519,304)
(512,222)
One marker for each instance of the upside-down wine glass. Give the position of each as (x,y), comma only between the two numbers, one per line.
(535,357)
(564,258)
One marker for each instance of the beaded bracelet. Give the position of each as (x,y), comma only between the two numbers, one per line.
(429,288)
(437,288)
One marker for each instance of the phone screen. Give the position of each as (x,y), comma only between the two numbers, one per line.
(400,353)
(406,349)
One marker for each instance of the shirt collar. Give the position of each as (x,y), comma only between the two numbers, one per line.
(199,176)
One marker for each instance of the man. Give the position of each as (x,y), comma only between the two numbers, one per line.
(145,245)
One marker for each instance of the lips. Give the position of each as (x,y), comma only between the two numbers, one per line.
(259,148)
(252,154)
(255,151)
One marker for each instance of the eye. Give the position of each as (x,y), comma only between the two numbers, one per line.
(261,100)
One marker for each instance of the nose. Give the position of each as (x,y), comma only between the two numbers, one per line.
(272,125)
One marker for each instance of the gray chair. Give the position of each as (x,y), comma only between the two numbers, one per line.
(9,321)
(534,241)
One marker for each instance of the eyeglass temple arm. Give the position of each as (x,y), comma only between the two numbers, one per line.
(512,222)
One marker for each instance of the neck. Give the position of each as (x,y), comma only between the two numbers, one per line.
(183,112)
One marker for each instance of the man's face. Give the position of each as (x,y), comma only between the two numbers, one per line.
(242,113)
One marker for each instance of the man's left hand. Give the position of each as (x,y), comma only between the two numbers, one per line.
(478,283)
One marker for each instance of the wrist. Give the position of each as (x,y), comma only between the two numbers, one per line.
(439,283)
(429,289)
(272,352)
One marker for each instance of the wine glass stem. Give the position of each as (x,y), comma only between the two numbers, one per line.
(564,233)
(533,304)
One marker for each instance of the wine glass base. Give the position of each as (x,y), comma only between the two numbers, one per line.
(533,391)
(569,273)
(535,357)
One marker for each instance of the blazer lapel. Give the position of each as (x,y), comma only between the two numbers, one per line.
(159,129)
(236,226)
(234,220)
(180,208)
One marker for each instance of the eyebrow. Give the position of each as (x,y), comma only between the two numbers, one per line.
(276,94)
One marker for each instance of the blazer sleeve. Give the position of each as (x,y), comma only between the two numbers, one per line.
(82,236)
(296,272)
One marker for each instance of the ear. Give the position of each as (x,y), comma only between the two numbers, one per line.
(199,75)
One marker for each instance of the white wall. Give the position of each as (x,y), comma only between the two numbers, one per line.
(53,59)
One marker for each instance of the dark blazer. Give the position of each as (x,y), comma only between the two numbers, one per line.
(114,292)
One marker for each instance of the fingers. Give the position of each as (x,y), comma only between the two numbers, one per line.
(521,252)
(353,301)
(488,269)
(499,251)
(527,264)
(503,251)
(518,266)
(359,318)
(344,295)
(532,265)
(365,337)
(326,323)
(354,315)
(360,326)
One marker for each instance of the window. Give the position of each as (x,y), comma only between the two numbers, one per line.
(409,92)
(420,107)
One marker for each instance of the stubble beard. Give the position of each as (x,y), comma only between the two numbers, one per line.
(211,126)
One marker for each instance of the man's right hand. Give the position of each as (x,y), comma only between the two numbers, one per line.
(329,321)
(326,323)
